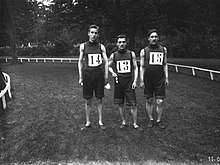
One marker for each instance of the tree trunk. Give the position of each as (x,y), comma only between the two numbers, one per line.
(12,34)
(117,19)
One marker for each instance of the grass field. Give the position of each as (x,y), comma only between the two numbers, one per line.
(43,120)
(211,64)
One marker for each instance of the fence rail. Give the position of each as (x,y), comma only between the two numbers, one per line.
(23,59)
(70,60)
(193,69)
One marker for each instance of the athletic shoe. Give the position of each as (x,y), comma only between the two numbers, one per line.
(102,127)
(161,125)
(150,124)
(137,127)
(85,127)
(123,126)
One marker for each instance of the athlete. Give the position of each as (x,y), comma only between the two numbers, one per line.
(93,74)
(124,63)
(154,76)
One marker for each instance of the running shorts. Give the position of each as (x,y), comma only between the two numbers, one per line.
(93,81)
(123,91)
(154,84)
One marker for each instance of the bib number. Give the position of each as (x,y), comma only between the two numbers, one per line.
(156,58)
(123,66)
(94,60)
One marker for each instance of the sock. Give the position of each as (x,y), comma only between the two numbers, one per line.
(87,124)
(100,123)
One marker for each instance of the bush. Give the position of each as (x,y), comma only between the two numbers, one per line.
(192,45)
(4,51)
(40,50)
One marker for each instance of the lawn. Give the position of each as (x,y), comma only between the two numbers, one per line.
(43,120)
(211,64)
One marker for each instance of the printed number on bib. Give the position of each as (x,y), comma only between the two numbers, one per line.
(94,60)
(124,66)
(156,58)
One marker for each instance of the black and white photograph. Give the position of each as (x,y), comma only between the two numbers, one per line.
(109,82)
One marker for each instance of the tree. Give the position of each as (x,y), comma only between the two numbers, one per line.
(10,31)
(194,24)
(8,27)
(118,16)
(25,14)
(188,27)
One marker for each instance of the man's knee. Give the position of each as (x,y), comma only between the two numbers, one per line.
(160,102)
(133,108)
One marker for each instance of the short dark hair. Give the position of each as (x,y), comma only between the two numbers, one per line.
(93,26)
(121,36)
(152,31)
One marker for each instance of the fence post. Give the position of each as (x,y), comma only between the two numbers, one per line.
(193,71)
(211,75)
(176,67)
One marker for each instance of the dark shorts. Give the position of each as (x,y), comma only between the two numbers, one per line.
(93,81)
(123,91)
(154,85)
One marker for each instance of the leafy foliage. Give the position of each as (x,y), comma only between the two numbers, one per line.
(189,28)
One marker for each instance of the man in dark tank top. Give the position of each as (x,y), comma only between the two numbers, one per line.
(93,74)
(125,65)
(154,76)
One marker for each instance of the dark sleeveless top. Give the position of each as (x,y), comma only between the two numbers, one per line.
(93,56)
(154,58)
(123,63)
(154,61)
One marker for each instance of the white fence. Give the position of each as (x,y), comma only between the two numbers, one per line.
(70,60)
(23,59)
(6,89)
(193,69)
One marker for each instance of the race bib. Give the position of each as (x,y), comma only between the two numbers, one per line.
(156,58)
(94,60)
(123,66)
